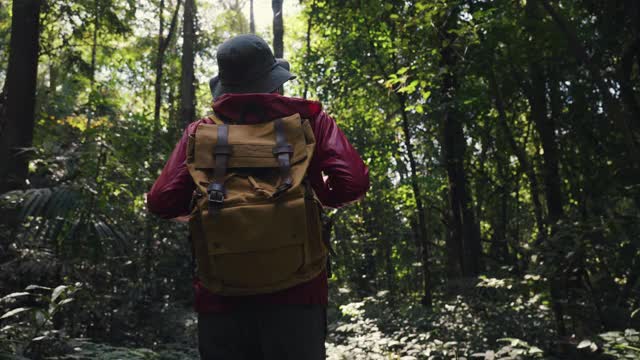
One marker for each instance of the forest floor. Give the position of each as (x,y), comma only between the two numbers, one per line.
(486,319)
(494,319)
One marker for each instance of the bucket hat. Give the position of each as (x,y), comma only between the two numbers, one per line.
(246,65)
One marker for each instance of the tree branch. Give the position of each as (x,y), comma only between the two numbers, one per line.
(172,28)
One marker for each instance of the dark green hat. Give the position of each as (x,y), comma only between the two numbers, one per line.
(247,65)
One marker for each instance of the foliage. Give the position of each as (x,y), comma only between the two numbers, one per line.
(472,325)
(530,106)
(87,350)
(370,61)
(31,317)
(619,344)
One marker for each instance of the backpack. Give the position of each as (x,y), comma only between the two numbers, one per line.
(256,222)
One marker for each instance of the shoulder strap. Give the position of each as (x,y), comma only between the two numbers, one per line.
(222,151)
(215,119)
(282,151)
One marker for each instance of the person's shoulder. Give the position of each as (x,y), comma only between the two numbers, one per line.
(308,109)
(191,128)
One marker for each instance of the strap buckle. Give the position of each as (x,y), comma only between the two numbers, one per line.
(216,194)
(283,149)
(282,188)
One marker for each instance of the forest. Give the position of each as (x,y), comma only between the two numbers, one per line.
(502,139)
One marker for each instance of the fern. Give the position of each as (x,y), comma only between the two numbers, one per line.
(59,217)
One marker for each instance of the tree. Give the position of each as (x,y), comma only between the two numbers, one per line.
(252,22)
(463,242)
(278,28)
(163,43)
(233,17)
(17,122)
(187,87)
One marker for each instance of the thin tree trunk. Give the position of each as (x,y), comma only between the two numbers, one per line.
(520,153)
(159,65)
(369,244)
(163,44)
(187,87)
(387,249)
(18,112)
(629,96)
(53,79)
(94,45)
(252,22)
(308,52)
(94,56)
(278,28)
(427,299)
(413,224)
(419,228)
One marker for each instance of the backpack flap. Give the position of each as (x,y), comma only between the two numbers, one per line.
(252,145)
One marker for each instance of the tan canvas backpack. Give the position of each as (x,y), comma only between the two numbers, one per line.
(255,223)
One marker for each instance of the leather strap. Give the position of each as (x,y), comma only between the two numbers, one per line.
(222,151)
(216,120)
(283,152)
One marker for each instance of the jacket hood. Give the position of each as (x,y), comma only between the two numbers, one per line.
(256,108)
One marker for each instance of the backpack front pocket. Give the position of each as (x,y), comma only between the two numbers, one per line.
(257,246)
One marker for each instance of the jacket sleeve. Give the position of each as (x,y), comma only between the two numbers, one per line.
(171,193)
(337,173)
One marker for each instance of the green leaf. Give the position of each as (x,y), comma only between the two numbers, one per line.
(15,295)
(5,329)
(584,344)
(629,347)
(37,287)
(57,292)
(65,301)
(535,350)
(14,312)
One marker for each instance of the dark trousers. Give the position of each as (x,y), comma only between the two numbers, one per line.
(265,332)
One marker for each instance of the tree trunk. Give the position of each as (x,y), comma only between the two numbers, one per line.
(464,249)
(308,51)
(94,46)
(418,227)
(545,126)
(159,65)
(20,95)
(163,43)
(628,94)
(187,87)
(519,152)
(427,299)
(94,57)
(278,28)
(252,22)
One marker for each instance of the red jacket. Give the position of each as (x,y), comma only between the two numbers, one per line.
(346,179)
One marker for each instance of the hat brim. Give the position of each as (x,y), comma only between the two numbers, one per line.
(269,83)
